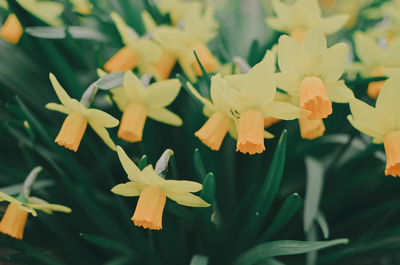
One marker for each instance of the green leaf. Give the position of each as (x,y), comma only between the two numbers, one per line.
(199,165)
(323,224)
(208,191)
(315,174)
(271,262)
(110,81)
(143,162)
(75,32)
(105,243)
(286,212)
(204,72)
(199,260)
(282,248)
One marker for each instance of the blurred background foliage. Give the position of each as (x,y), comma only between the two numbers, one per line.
(332,187)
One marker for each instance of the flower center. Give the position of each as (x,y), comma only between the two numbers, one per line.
(149,209)
(132,123)
(72,131)
(313,97)
(14,221)
(214,130)
(125,59)
(251,133)
(392,150)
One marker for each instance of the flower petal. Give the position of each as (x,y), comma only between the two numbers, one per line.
(337,61)
(127,34)
(181,186)
(161,94)
(103,134)
(57,107)
(188,199)
(128,189)
(332,24)
(6,197)
(288,51)
(61,94)
(314,42)
(388,101)
(367,49)
(284,111)
(101,118)
(133,87)
(130,168)
(339,92)
(207,103)
(165,116)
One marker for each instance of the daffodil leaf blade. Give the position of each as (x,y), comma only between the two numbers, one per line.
(208,191)
(105,242)
(199,165)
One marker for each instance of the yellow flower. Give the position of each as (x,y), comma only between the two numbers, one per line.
(12,30)
(252,98)
(138,102)
(310,73)
(74,126)
(303,15)
(82,6)
(374,58)
(48,11)
(16,215)
(153,191)
(139,52)
(177,9)
(382,123)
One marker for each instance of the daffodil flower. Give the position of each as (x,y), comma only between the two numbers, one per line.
(382,123)
(14,219)
(138,102)
(153,191)
(374,58)
(252,98)
(177,9)
(140,52)
(48,11)
(309,74)
(82,6)
(12,29)
(296,19)
(219,111)
(79,116)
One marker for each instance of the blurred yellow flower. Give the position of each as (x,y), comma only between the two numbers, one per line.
(140,52)
(138,102)
(48,11)
(79,116)
(177,9)
(382,123)
(374,58)
(14,219)
(296,19)
(11,30)
(82,6)
(153,191)
(309,74)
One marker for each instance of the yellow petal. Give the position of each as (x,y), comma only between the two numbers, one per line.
(49,208)
(162,93)
(101,118)
(61,94)
(128,35)
(103,134)
(338,92)
(148,22)
(366,117)
(6,197)
(188,199)
(148,50)
(129,189)
(288,51)
(314,41)
(388,101)
(207,103)
(130,168)
(165,116)
(337,63)
(133,87)
(332,24)
(288,83)
(150,177)
(367,49)
(268,135)
(284,111)
(57,107)
(180,186)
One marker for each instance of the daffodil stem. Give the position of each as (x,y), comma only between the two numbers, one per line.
(30,180)
(89,95)
(162,163)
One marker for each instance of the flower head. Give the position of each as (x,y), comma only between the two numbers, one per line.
(178,9)
(75,124)
(298,18)
(14,219)
(11,30)
(382,123)
(138,102)
(153,191)
(137,52)
(48,11)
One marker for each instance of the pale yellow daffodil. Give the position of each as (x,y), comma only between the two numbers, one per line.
(310,74)
(374,58)
(82,6)
(178,9)
(138,102)
(251,96)
(296,19)
(137,52)
(79,116)
(48,11)
(382,123)
(153,191)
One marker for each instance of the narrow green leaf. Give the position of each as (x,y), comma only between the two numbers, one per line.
(286,212)
(315,174)
(199,165)
(271,262)
(105,243)
(119,261)
(143,162)
(282,248)
(76,32)
(199,260)
(203,70)
(208,191)
(38,255)
(110,81)
(323,224)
